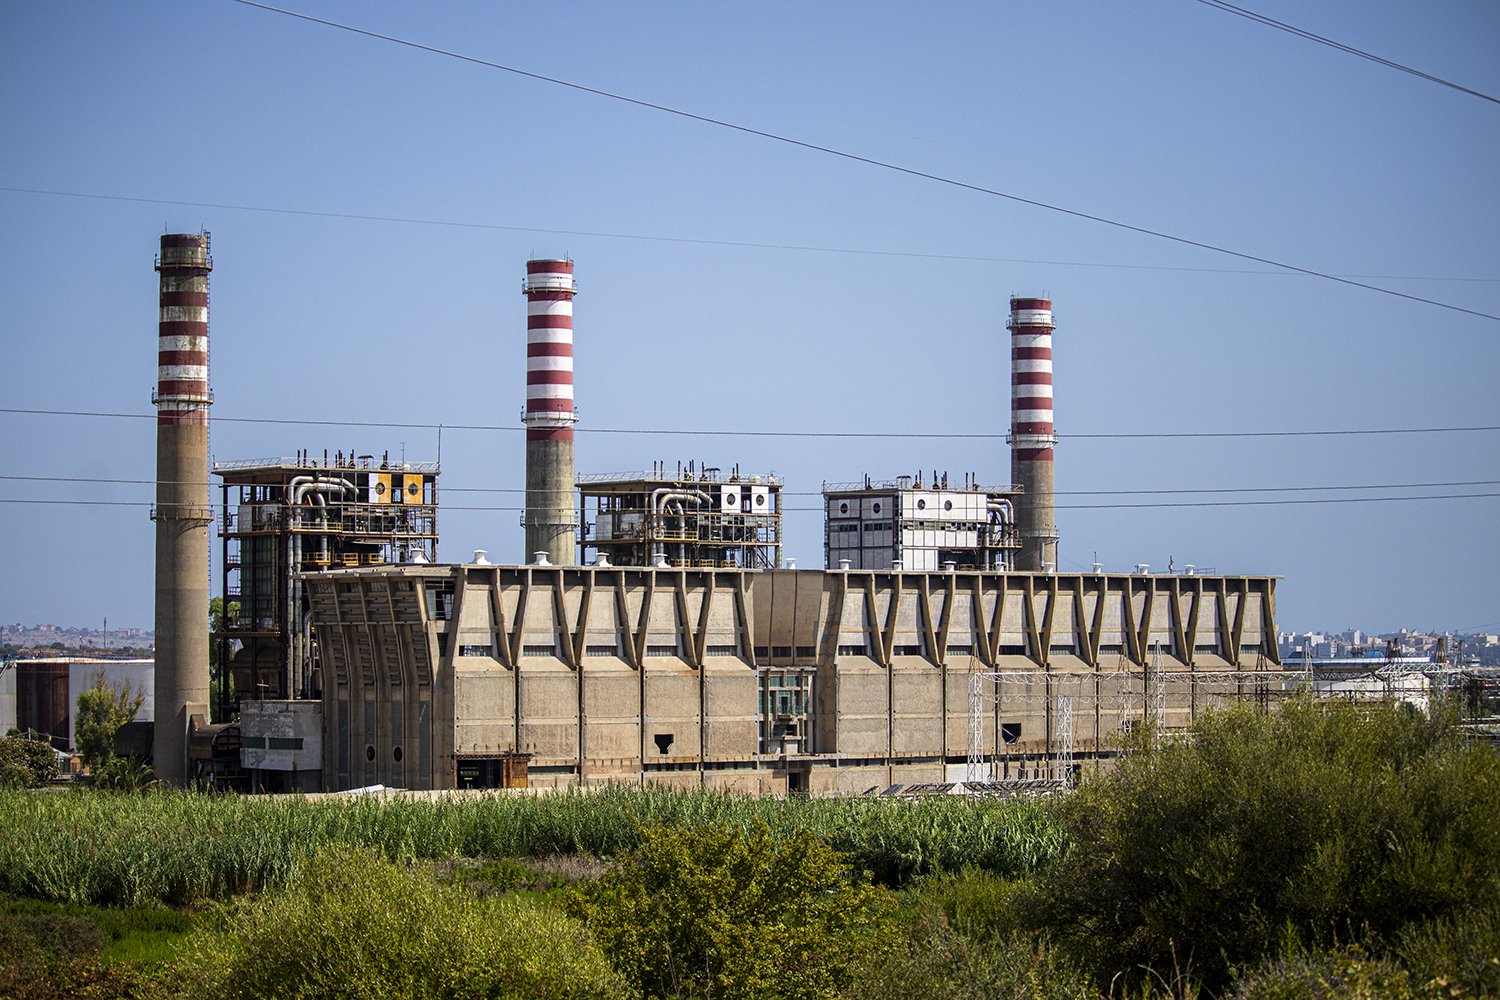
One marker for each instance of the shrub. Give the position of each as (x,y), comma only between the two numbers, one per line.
(1322,822)
(962,940)
(26,762)
(713,911)
(358,926)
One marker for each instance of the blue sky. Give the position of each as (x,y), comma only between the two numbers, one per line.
(1165,114)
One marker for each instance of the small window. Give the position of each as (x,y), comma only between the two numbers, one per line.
(601,651)
(662,649)
(370,753)
(722,650)
(539,649)
(807,652)
(960,650)
(285,742)
(921,505)
(783,652)
(947,504)
(875,506)
(663,743)
(477,650)
(852,650)
(396,755)
(910,649)
(1010,732)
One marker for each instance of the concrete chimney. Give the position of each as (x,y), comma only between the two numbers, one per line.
(1032,436)
(549,414)
(181,511)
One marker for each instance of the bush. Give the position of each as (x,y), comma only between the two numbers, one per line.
(1318,823)
(26,762)
(358,926)
(962,940)
(712,911)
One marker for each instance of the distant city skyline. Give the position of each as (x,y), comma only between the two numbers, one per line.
(372,207)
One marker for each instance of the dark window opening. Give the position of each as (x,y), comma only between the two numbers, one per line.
(1010,732)
(396,755)
(663,742)
(370,753)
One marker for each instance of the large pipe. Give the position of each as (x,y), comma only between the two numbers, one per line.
(1032,435)
(181,511)
(549,414)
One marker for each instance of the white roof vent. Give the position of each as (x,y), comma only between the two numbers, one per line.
(659,560)
(603,560)
(540,559)
(844,564)
(479,557)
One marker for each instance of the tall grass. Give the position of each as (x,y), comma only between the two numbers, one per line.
(180,847)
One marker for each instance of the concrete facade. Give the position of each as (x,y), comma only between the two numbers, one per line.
(769,681)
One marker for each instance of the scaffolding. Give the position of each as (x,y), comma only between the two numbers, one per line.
(283,517)
(698,517)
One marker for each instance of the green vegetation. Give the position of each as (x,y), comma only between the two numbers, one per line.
(720,912)
(357,925)
(1322,823)
(180,848)
(26,762)
(100,713)
(1326,851)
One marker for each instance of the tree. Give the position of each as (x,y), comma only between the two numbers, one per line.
(102,710)
(718,912)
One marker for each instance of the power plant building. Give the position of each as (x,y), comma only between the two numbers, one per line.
(283,517)
(826,681)
(904,524)
(695,518)
(650,632)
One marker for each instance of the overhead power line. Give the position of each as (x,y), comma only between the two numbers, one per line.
(819,509)
(685,432)
(701,241)
(868,161)
(1271,22)
(102,481)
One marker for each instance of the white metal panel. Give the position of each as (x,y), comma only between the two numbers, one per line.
(729,498)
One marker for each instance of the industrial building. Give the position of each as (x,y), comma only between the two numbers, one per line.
(904,524)
(697,517)
(40,693)
(829,681)
(283,517)
(650,631)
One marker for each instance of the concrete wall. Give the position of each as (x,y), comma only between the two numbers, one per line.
(611,674)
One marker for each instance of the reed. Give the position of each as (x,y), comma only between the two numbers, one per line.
(179,848)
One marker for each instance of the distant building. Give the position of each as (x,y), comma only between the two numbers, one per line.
(40,694)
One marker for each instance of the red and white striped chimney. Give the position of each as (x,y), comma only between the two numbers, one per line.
(1032,435)
(549,414)
(181,511)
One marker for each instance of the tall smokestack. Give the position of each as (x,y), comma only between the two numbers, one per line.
(1032,437)
(549,415)
(181,512)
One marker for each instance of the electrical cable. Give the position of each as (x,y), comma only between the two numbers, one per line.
(869,161)
(694,241)
(819,509)
(1271,22)
(683,432)
(95,480)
